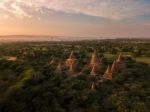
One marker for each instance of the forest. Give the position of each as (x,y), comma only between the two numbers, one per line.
(80,76)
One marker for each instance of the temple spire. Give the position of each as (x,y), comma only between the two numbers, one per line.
(93,87)
(108,70)
(119,58)
(108,74)
(93,72)
(71,55)
(113,66)
(120,65)
(71,70)
(59,69)
(71,60)
(52,61)
(94,58)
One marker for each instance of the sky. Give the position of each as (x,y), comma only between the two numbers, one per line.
(83,18)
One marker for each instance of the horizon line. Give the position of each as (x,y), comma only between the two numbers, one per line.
(45,35)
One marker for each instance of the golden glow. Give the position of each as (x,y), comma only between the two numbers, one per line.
(81,18)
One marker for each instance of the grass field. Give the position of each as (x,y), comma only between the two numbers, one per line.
(138,59)
(143,59)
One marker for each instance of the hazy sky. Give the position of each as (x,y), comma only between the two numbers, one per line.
(101,18)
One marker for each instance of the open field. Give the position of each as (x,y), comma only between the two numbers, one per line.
(143,59)
(138,59)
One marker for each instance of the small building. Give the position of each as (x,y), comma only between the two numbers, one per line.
(108,74)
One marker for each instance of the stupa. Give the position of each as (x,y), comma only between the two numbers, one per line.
(71,70)
(94,60)
(53,61)
(58,69)
(113,67)
(108,74)
(120,64)
(93,87)
(71,61)
(94,71)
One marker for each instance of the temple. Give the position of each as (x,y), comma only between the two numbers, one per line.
(59,69)
(120,64)
(71,70)
(113,67)
(53,61)
(95,64)
(94,60)
(71,61)
(94,71)
(93,87)
(108,74)
(119,58)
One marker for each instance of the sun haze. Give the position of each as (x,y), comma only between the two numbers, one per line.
(90,18)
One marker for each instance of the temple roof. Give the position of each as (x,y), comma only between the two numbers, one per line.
(108,70)
(94,58)
(71,68)
(59,68)
(52,61)
(113,66)
(119,58)
(71,55)
(93,72)
(93,86)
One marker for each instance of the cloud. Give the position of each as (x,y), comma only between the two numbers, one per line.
(111,9)
(12,7)
(17,10)
(146,24)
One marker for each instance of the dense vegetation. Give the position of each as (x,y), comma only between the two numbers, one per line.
(29,84)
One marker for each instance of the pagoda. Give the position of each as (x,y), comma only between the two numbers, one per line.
(94,71)
(71,70)
(58,69)
(108,74)
(93,87)
(53,61)
(120,64)
(113,67)
(94,59)
(71,61)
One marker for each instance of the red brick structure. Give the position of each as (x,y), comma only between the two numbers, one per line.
(94,71)
(113,67)
(71,61)
(93,88)
(58,69)
(120,65)
(53,61)
(108,74)
(94,60)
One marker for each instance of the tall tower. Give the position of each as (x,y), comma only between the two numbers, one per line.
(94,71)
(95,61)
(93,58)
(71,55)
(53,61)
(71,70)
(113,67)
(71,60)
(119,58)
(108,74)
(93,87)
(120,65)
(58,69)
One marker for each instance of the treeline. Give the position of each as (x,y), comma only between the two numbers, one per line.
(26,90)
(30,84)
